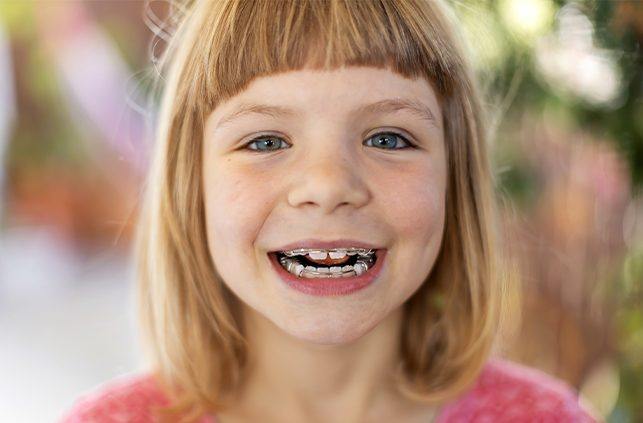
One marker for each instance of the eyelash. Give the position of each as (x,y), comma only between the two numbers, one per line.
(405,140)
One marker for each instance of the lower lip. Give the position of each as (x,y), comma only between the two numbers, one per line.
(324,287)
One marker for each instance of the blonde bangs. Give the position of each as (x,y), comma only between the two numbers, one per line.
(233,42)
(190,320)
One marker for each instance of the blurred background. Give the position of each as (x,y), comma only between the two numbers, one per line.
(563,82)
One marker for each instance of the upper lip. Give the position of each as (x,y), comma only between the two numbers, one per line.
(326,245)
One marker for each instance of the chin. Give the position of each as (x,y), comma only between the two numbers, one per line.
(326,331)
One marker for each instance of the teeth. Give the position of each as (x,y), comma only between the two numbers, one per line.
(299,270)
(335,253)
(318,255)
(360,267)
(339,254)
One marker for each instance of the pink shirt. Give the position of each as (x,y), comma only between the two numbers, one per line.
(504,392)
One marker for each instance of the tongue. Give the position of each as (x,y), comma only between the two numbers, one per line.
(329,261)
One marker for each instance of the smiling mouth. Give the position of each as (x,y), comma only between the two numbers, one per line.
(339,263)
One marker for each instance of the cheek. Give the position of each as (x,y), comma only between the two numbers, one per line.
(415,201)
(234,206)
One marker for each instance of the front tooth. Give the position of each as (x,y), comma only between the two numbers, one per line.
(337,254)
(335,269)
(317,255)
(323,270)
(347,268)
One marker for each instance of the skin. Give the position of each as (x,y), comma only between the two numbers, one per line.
(324,358)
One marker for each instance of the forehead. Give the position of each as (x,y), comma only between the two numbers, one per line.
(348,90)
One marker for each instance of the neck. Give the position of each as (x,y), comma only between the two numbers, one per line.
(314,382)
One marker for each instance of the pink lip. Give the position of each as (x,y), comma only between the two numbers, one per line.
(316,243)
(329,286)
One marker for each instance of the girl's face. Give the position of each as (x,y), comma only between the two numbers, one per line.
(322,170)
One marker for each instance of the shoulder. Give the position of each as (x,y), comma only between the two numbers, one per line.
(507,391)
(128,398)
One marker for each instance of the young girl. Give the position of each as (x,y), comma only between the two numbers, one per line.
(318,237)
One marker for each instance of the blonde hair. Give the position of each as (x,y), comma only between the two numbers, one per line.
(189,318)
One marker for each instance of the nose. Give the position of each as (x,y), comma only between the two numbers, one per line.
(328,180)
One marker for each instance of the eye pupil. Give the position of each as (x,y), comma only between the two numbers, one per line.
(385,138)
(269,143)
(390,141)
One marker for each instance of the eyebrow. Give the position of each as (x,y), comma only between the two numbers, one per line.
(417,108)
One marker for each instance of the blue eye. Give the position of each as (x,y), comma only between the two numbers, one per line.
(387,139)
(384,140)
(267,141)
